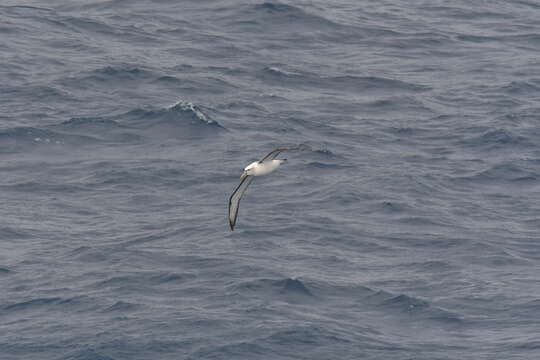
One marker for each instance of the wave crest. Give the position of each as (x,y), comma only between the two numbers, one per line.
(186,106)
(182,120)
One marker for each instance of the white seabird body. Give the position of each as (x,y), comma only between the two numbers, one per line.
(261,168)
(265,166)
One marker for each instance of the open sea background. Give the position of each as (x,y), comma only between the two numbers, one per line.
(410,230)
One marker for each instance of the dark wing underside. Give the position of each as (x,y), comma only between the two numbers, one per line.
(272,155)
(234,200)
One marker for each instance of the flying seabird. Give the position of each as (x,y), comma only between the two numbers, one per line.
(265,166)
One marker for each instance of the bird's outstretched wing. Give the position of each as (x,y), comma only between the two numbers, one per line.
(234,200)
(273,154)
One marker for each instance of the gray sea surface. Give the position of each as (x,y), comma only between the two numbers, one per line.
(410,230)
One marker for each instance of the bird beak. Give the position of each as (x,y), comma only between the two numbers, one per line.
(244,174)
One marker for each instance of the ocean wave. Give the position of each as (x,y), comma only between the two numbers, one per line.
(322,166)
(88,354)
(31,304)
(32,138)
(168,277)
(121,306)
(498,139)
(181,120)
(100,26)
(186,106)
(183,112)
(398,104)
(477,38)
(529,40)
(413,306)
(25,7)
(285,289)
(39,93)
(80,122)
(347,83)
(286,340)
(502,174)
(144,279)
(523,88)
(392,207)
(466,13)
(326,153)
(309,335)
(118,74)
(128,78)
(11,233)
(405,303)
(426,221)
(40,186)
(237,350)
(277,17)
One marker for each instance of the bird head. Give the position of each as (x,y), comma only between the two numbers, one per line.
(249,170)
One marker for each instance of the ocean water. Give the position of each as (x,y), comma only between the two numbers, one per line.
(409,230)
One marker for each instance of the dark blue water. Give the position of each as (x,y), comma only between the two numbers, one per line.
(411,230)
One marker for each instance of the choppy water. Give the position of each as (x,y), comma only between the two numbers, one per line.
(409,231)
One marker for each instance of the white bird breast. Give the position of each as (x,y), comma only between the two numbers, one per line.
(259,169)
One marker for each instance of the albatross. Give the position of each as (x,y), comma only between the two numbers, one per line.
(265,166)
